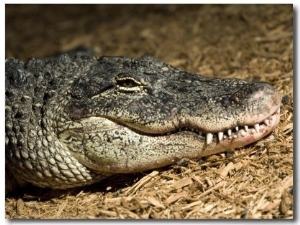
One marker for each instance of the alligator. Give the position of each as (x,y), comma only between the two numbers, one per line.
(73,121)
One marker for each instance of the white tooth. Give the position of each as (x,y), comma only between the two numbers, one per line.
(229,132)
(278,111)
(235,136)
(256,127)
(243,133)
(246,128)
(220,136)
(209,137)
(267,122)
(236,128)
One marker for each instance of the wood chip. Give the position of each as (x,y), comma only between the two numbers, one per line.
(230,166)
(286,202)
(143,181)
(155,202)
(287,182)
(271,205)
(20,206)
(61,208)
(175,197)
(182,183)
(108,213)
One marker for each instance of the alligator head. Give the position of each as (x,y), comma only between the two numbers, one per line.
(74,121)
(128,115)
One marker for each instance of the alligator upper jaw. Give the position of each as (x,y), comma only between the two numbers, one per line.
(243,132)
(216,142)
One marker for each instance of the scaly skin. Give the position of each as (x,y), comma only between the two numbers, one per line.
(74,121)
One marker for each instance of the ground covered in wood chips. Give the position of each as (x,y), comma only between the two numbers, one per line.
(253,42)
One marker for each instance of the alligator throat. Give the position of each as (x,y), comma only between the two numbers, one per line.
(74,121)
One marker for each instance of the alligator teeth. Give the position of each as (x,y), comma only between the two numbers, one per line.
(229,132)
(209,137)
(278,111)
(220,136)
(237,128)
(256,127)
(246,128)
(243,133)
(267,122)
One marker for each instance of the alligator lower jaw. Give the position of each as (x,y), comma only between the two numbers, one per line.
(238,137)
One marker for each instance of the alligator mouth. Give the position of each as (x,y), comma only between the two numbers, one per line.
(217,142)
(235,137)
(238,131)
(94,137)
(242,135)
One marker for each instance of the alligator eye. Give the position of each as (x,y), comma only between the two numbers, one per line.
(128,84)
